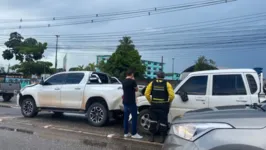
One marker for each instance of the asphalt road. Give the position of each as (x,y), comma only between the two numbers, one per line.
(69,131)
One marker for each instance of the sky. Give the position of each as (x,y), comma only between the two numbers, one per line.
(228,55)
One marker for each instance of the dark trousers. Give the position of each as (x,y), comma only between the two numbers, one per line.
(130,109)
(159,118)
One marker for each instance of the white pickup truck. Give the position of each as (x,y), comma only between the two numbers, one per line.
(210,89)
(92,93)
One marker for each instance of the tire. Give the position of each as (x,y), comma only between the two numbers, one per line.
(7,97)
(143,122)
(97,114)
(29,108)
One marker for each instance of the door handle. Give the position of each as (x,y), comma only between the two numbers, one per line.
(77,88)
(56,89)
(242,101)
(202,100)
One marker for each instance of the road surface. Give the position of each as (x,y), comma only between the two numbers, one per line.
(69,131)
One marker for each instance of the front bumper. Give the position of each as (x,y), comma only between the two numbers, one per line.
(19,95)
(173,142)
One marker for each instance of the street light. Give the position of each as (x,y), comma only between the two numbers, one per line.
(173,68)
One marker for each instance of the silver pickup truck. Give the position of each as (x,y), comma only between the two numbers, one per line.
(8,90)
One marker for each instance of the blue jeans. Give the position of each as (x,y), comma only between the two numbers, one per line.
(130,109)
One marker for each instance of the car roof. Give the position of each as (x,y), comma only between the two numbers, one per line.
(221,71)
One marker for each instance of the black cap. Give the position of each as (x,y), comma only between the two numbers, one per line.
(160,75)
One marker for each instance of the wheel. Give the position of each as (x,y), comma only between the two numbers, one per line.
(143,121)
(97,114)
(29,108)
(7,97)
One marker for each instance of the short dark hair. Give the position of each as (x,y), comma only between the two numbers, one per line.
(129,72)
(160,74)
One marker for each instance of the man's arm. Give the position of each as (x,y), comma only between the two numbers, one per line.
(171,92)
(148,92)
(135,86)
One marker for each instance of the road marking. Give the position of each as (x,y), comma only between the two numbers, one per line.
(110,135)
(47,126)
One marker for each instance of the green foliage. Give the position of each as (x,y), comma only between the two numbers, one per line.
(38,68)
(23,50)
(89,67)
(125,57)
(204,64)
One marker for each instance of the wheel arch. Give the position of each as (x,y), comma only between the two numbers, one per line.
(140,108)
(94,99)
(21,98)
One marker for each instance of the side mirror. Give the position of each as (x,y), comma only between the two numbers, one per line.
(42,81)
(183,95)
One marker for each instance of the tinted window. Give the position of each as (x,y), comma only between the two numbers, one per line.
(104,78)
(56,80)
(252,84)
(228,85)
(195,85)
(74,78)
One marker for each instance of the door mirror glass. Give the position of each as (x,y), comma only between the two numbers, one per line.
(183,95)
(42,81)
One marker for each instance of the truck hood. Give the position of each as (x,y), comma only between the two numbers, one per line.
(239,118)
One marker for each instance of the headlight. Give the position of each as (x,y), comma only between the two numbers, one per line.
(191,131)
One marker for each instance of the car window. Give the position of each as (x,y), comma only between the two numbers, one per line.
(195,85)
(56,80)
(228,85)
(74,78)
(252,83)
(104,78)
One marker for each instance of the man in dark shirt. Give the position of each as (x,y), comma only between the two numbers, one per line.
(130,107)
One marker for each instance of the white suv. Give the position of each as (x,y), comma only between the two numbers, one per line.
(210,89)
(95,94)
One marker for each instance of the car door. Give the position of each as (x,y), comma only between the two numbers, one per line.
(228,89)
(50,93)
(196,89)
(72,91)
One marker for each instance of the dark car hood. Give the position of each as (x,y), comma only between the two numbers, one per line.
(239,118)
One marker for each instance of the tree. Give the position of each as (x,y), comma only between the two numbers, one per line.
(125,57)
(204,64)
(2,69)
(23,50)
(90,67)
(37,68)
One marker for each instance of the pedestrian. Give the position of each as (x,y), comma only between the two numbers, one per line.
(130,106)
(160,94)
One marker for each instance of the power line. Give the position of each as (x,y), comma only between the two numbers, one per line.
(147,13)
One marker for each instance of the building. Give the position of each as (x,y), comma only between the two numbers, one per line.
(172,76)
(151,66)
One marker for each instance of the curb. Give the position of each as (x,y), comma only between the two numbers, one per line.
(5,106)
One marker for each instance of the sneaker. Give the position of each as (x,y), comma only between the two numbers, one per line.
(126,135)
(137,136)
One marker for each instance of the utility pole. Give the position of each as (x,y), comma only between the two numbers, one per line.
(173,68)
(56,47)
(162,63)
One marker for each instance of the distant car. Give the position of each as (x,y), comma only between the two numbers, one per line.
(219,128)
